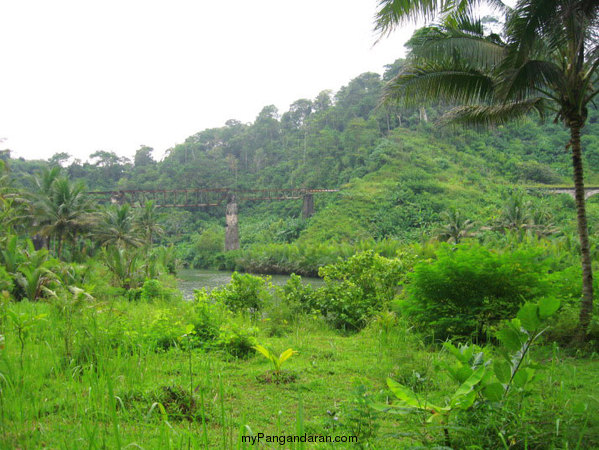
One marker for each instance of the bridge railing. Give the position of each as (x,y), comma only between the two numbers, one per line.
(197,198)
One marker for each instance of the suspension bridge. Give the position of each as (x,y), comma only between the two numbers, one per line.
(206,198)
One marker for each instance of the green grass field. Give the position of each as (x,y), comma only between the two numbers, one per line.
(116,393)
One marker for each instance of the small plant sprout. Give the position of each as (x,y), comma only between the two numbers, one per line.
(277,361)
(22,325)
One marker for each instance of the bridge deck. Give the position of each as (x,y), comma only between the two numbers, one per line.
(589,191)
(202,198)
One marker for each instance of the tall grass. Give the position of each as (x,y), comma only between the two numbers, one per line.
(121,389)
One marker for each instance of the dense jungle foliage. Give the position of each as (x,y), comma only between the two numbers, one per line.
(399,173)
(450,289)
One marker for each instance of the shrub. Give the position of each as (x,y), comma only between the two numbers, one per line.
(236,340)
(469,288)
(486,383)
(206,246)
(537,173)
(124,265)
(298,297)
(355,289)
(565,328)
(209,316)
(6,281)
(164,330)
(151,289)
(244,292)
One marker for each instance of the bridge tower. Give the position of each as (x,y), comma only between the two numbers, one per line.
(308,207)
(232,228)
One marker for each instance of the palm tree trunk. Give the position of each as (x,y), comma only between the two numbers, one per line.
(59,250)
(586,306)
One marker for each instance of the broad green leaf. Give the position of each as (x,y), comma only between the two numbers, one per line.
(487,377)
(470,383)
(452,349)
(521,378)
(502,370)
(510,338)
(463,373)
(453,373)
(494,392)
(478,359)
(438,418)
(409,398)
(404,394)
(464,401)
(529,316)
(548,306)
(264,351)
(286,355)
(467,353)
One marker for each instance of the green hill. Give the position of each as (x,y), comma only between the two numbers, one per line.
(398,170)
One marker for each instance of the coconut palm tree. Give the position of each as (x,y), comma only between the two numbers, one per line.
(146,223)
(13,205)
(545,60)
(116,227)
(542,222)
(61,210)
(455,227)
(43,182)
(516,215)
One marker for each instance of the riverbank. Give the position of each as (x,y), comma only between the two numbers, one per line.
(189,280)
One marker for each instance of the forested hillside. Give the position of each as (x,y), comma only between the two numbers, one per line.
(398,170)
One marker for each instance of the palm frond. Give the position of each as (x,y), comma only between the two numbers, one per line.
(475,50)
(438,82)
(488,115)
(529,79)
(392,13)
(526,23)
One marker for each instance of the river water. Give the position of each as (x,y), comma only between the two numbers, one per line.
(190,279)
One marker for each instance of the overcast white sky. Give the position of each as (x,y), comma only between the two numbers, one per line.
(80,76)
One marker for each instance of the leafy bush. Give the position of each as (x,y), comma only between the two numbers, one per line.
(151,289)
(167,258)
(305,258)
(566,328)
(164,330)
(209,316)
(485,383)
(125,267)
(155,290)
(355,289)
(6,281)
(236,340)
(298,297)
(244,292)
(206,245)
(537,173)
(469,288)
